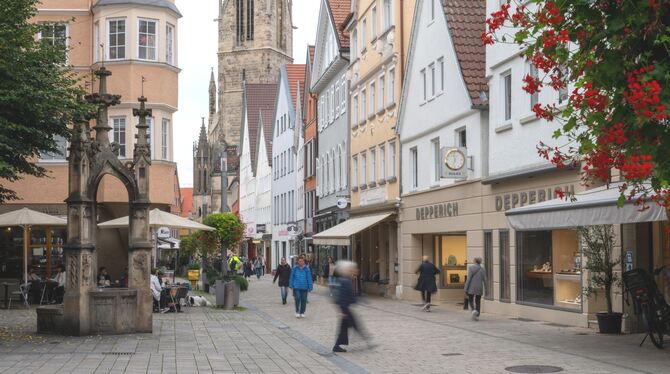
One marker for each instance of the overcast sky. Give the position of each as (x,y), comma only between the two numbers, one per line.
(198,46)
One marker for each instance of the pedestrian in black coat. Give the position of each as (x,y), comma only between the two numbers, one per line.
(283,273)
(345,270)
(426,283)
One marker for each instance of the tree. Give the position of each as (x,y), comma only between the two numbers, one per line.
(601,260)
(38,95)
(199,245)
(615,55)
(228,229)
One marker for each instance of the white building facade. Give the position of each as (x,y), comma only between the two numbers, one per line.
(284,162)
(443,111)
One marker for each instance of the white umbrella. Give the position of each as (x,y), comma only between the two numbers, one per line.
(26,218)
(159,218)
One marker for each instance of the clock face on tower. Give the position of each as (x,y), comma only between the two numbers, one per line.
(454,159)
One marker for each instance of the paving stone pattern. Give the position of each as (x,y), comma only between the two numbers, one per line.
(268,338)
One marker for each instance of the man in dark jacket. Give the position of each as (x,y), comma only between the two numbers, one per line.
(283,272)
(345,270)
(426,283)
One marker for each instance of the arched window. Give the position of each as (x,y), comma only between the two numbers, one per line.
(332,168)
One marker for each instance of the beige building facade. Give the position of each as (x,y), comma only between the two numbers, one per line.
(137,42)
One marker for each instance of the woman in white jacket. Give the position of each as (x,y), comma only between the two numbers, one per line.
(156,289)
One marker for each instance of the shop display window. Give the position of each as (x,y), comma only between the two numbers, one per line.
(451,259)
(549,268)
(45,251)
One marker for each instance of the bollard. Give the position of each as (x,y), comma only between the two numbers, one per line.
(229,295)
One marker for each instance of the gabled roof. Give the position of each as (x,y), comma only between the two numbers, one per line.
(340,10)
(295,73)
(259,105)
(467,21)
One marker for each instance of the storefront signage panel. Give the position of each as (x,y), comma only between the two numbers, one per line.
(437,211)
(530,197)
(260,228)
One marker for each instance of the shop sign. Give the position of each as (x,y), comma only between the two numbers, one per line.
(260,228)
(519,199)
(163,233)
(437,211)
(250,231)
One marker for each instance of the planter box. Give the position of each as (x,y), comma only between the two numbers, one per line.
(194,275)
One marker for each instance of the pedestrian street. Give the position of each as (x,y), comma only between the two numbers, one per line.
(266,337)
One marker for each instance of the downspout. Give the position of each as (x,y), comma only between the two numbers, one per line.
(399,252)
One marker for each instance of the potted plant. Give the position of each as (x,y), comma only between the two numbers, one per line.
(598,249)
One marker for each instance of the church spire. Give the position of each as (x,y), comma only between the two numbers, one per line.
(212,95)
(202,139)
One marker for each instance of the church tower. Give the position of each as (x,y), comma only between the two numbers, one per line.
(255,39)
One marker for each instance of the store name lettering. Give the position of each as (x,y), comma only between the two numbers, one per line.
(437,211)
(519,199)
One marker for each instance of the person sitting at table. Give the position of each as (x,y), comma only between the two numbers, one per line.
(34,285)
(104,280)
(156,290)
(124,278)
(59,283)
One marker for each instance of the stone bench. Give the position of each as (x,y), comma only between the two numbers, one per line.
(49,319)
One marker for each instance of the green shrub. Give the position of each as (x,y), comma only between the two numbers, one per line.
(194,266)
(242,282)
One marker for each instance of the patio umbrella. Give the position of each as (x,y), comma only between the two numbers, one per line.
(26,218)
(159,218)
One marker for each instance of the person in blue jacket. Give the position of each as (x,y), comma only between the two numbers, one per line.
(301,284)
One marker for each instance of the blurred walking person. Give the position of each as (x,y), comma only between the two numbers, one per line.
(283,272)
(426,283)
(474,286)
(258,267)
(345,271)
(329,271)
(301,283)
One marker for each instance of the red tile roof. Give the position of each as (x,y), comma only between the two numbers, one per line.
(186,201)
(295,73)
(467,20)
(340,10)
(260,101)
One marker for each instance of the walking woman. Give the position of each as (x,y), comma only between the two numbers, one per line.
(300,282)
(474,287)
(258,266)
(283,272)
(426,283)
(345,297)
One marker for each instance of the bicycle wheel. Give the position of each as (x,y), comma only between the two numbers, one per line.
(650,322)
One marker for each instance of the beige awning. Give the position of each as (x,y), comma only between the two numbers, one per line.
(29,217)
(597,206)
(340,234)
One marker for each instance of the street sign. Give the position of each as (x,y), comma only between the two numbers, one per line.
(342,203)
(293,229)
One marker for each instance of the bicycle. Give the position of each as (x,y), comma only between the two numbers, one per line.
(650,303)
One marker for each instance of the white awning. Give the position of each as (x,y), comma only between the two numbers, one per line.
(597,206)
(340,234)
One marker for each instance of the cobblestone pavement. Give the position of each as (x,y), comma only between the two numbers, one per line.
(268,338)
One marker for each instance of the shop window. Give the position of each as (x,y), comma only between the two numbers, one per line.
(488,264)
(45,251)
(450,256)
(503,247)
(549,268)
